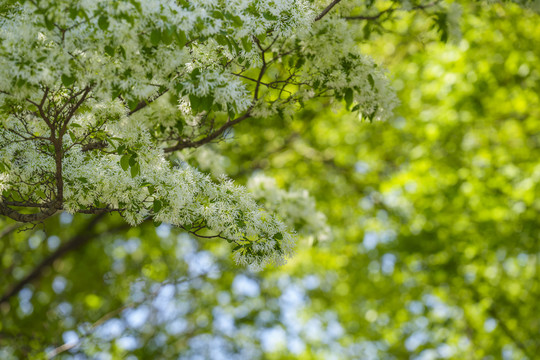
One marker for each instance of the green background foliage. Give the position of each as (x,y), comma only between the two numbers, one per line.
(435,248)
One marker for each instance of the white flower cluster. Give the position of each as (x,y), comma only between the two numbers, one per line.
(133,47)
(352,75)
(296,207)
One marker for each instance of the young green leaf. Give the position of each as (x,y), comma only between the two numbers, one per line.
(124,162)
(103,22)
(135,170)
(157,205)
(155,37)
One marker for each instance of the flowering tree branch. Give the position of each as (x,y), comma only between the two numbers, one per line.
(87,126)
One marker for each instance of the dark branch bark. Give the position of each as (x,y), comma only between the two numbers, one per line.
(327,9)
(141,105)
(27,218)
(84,235)
(95,145)
(212,136)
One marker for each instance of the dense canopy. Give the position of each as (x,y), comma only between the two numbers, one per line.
(269,179)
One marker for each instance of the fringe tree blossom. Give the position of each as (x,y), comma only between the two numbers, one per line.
(96,95)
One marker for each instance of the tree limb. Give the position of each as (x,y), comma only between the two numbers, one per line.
(212,136)
(82,237)
(144,103)
(27,218)
(327,9)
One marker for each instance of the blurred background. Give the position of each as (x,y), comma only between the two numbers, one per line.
(427,236)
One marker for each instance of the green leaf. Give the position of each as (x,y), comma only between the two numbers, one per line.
(348,97)
(135,170)
(237,20)
(218,14)
(278,236)
(246,43)
(231,112)
(179,126)
(109,50)
(167,36)
(67,80)
(133,159)
(195,102)
(15,196)
(206,102)
(181,38)
(41,194)
(121,149)
(124,162)
(157,205)
(233,46)
(49,24)
(155,37)
(269,16)
(371,80)
(103,22)
(132,104)
(221,39)
(72,136)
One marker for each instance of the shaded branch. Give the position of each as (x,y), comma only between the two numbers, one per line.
(82,237)
(27,218)
(183,144)
(98,145)
(327,9)
(144,103)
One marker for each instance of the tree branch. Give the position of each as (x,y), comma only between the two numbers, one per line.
(84,235)
(212,136)
(141,105)
(27,218)
(327,9)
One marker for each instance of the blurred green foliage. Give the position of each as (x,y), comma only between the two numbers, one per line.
(435,217)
